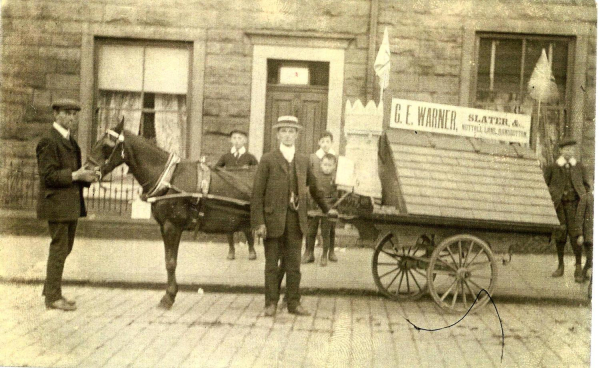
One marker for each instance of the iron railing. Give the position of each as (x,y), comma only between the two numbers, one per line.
(19,189)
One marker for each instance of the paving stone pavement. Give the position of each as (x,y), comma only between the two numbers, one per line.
(123,328)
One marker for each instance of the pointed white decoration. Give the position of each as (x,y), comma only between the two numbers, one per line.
(542,86)
(382,61)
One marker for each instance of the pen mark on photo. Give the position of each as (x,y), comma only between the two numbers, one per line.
(461,318)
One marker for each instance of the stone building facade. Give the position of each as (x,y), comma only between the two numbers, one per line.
(224,63)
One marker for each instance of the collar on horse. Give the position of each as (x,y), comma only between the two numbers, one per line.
(164,180)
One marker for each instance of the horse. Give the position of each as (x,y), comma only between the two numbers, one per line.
(222,208)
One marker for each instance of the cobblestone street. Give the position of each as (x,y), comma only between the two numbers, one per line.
(123,327)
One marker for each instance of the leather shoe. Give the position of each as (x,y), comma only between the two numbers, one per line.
(559,271)
(270,310)
(308,258)
(61,304)
(69,301)
(299,311)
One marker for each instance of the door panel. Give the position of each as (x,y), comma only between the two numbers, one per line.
(308,104)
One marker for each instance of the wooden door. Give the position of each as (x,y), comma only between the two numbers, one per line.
(308,104)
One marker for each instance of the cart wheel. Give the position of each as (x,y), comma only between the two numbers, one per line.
(399,271)
(460,267)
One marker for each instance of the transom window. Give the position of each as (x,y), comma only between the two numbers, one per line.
(148,85)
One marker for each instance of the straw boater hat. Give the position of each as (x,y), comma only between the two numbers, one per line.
(567,141)
(287,121)
(66,104)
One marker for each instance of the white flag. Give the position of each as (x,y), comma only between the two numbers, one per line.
(542,86)
(382,61)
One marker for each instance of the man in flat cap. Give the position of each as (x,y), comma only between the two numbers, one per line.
(568,183)
(238,157)
(60,201)
(278,212)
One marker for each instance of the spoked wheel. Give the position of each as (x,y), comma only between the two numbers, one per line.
(460,267)
(399,271)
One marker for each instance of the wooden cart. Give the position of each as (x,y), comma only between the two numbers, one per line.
(449,204)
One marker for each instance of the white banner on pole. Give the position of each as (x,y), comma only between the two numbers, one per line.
(458,120)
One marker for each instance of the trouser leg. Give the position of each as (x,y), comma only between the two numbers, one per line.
(291,254)
(273,274)
(311,237)
(63,237)
(570,209)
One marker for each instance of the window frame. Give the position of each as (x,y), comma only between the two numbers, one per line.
(103,41)
(570,40)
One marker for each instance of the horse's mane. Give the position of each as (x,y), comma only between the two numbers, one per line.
(145,143)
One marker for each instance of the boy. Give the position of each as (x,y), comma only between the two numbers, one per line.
(567,182)
(585,228)
(238,157)
(325,142)
(326,180)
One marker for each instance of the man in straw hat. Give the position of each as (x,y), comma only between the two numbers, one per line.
(568,183)
(60,201)
(278,211)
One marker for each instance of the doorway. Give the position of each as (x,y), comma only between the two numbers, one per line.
(297,88)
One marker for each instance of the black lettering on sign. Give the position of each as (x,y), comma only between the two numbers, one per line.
(421,116)
(397,114)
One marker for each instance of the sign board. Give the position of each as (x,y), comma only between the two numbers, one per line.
(345,175)
(458,120)
(293,75)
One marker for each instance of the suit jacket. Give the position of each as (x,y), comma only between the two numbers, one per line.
(557,179)
(585,217)
(270,197)
(229,160)
(60,199)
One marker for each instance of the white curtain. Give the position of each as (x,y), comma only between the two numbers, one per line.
(169,121)
(114,105)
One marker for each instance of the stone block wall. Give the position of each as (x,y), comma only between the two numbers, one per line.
(42,41)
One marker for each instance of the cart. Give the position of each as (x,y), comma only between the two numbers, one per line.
(449,207)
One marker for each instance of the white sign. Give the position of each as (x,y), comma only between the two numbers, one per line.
(293,75)
(457,120)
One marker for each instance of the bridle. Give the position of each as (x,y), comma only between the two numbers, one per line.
(118,138)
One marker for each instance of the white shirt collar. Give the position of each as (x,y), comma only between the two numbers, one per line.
(288,152)
(241,151)
(64,132)
(561,161)
(320,153)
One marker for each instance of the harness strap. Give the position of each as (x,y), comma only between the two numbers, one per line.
(164,180)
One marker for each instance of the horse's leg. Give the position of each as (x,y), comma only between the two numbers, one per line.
(230,240)
(250,240)
(171,235)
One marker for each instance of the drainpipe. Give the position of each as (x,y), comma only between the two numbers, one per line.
(372,47)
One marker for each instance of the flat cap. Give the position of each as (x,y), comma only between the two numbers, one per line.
(66,104)
(567,141)
(238,131)
(287,121)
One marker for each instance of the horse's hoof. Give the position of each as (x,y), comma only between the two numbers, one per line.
(231,256)
(252,255)
(165,303)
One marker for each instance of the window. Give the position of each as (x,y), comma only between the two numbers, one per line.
(504,66)
(148,85)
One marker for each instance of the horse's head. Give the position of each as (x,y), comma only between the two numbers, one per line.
(108,152)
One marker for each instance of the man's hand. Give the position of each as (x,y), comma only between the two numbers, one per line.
(580,240)
(84,174)
(261,231)
(332,213)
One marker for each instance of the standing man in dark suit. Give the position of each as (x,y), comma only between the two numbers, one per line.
(238,157)
(61,197)
(568,183)
(278,211)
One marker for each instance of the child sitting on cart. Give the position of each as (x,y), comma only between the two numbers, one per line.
(326,181)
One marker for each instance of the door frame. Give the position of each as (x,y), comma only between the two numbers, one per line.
(261,53)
